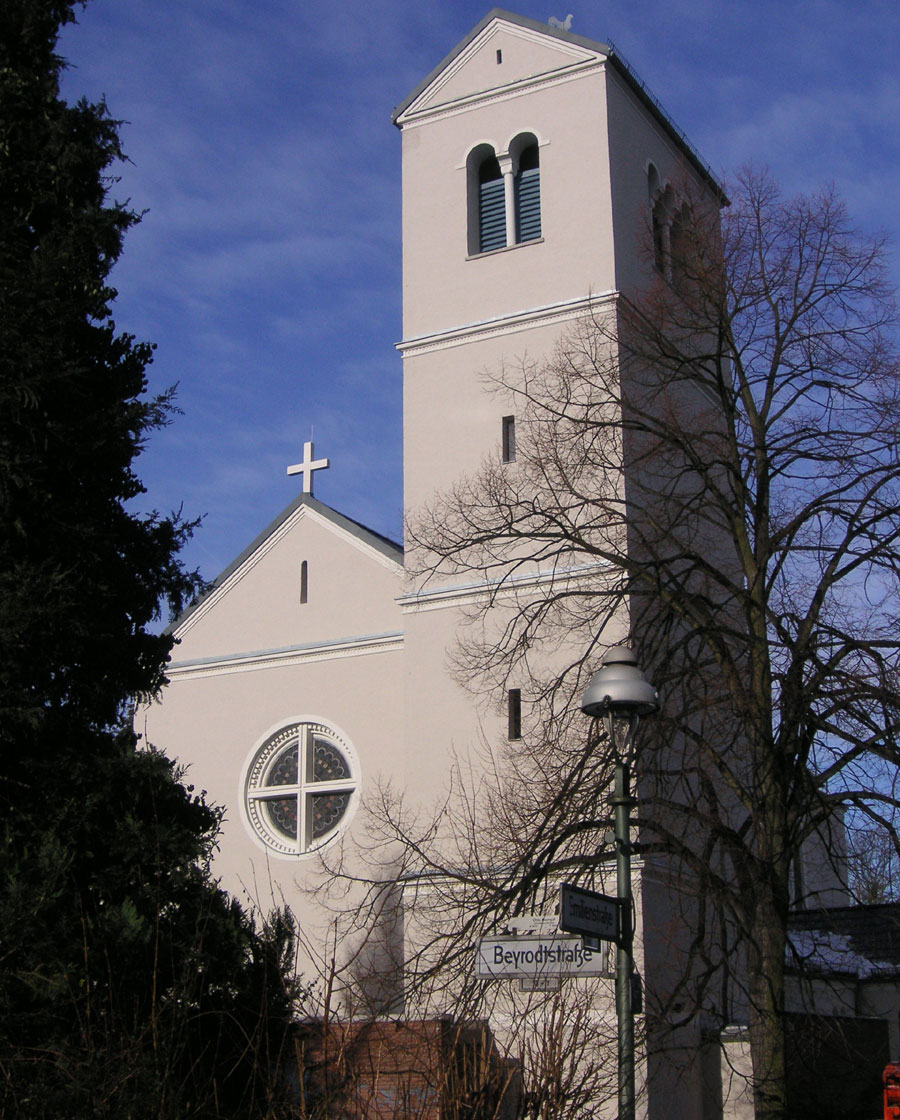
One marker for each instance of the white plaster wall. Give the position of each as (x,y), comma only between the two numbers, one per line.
(452,420)
(212,724)
(443,719)
(737,1075)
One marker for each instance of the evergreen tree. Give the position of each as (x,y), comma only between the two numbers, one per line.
(129,984)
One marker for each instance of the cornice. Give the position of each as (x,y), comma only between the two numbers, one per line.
(289,655)
(548,315)
(465,594)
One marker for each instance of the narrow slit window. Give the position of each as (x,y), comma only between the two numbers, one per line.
(514,713)
(304,582)
(509,439)
(499,57)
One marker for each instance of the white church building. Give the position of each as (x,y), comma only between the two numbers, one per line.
(315,670)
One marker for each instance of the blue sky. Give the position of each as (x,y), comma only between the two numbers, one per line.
(267,267)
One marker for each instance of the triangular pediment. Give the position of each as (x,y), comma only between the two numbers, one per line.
(350,579)
(528,52)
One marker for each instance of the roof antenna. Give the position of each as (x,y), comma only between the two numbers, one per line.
(561,24)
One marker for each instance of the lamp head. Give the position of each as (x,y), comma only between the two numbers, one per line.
(619,687)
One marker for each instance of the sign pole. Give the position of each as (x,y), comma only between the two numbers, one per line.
(620,689)
(624,951)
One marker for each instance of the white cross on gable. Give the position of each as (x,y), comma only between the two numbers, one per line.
(307,467)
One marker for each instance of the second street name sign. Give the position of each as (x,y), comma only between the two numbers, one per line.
(537,956)
(589,913)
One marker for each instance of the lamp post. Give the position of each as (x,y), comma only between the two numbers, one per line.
(620,693)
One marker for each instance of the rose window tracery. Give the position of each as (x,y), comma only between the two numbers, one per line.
(300,787)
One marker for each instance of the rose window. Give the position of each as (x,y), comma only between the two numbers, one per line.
(300,788)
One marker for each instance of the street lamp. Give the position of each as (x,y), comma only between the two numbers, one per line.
(619,693)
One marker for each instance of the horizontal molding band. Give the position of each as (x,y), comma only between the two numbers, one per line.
(505,324)
(430,599)
(289,655)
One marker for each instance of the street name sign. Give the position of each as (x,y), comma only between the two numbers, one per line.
(589,913)
(517,957)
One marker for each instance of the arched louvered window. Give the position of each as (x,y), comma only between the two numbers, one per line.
(656,217)
(528,195)
(652,183)
(673,243)
(504,195)
(663,207)
(486,200)
(491,206)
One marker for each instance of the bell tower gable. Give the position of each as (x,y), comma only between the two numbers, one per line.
(501,57)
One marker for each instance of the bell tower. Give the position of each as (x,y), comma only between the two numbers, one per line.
(531,160)
(534,165)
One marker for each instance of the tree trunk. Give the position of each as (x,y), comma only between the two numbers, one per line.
(766,990)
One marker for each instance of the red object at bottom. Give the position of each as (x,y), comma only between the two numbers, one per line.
(891,1080)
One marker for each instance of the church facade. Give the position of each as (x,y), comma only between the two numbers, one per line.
(316,673)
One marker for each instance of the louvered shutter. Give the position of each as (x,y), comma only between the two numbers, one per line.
(492,215)
(528,204)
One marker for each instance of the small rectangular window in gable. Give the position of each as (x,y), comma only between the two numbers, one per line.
(509,439)
(304,582)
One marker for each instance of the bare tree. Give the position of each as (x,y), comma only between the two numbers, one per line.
(873,863)
(408,959)
(716,461)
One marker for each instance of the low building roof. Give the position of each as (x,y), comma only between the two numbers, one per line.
(861,940)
